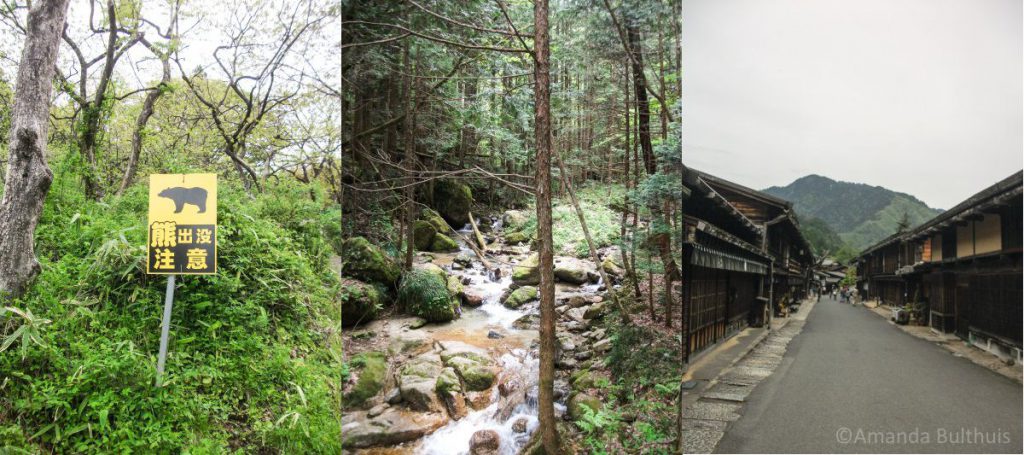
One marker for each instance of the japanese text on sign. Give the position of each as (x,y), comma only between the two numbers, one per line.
(182,224)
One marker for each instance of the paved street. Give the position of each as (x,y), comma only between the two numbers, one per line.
(852,382)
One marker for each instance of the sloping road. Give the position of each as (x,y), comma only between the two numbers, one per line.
(852,383)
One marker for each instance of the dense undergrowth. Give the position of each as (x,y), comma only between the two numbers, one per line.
(603,223)
(254,351)
(640,396)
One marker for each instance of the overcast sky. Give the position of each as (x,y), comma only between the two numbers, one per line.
(918,96)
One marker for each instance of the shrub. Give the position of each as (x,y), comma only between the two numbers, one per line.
(423,293)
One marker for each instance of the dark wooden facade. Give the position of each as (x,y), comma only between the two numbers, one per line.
(963,266)
(741,250)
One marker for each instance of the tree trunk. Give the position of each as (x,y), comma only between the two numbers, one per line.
(590,242)
(140,125)
(630,268)
(642,105)
(542,136)
(29,177)
(410,159)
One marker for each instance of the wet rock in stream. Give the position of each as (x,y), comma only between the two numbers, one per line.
(485,442)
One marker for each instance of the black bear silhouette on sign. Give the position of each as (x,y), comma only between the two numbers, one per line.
(182,196)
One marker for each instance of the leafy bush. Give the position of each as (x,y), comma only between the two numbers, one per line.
(423,293)
(254,350)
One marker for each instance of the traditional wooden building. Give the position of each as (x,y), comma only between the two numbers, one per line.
(741,250)
(962,268)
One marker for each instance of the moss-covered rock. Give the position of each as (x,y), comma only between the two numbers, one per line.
(456,290)
(571,270)
(417,380)
(472,364)
(443,243)
(367,262)
(527,272)
(478,377)
(423,234)
(425,294)
(360,303)
(431,216)
(520,296)
(578,401)
(583,381)
(612,268)
(453,201)
(372,367)
(514,219)
(448,381)
(515,238)
(435,270)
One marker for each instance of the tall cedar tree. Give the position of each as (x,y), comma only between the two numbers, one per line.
(542,134)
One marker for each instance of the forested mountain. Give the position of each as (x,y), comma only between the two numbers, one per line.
(861,214)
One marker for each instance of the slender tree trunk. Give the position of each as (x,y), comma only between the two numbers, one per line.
(661,81)
(590,242)
(410,158)
(140,125)
(626,262)
(28,176)
(542,136)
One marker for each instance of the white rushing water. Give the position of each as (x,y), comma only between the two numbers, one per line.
(453,439)
(522,367)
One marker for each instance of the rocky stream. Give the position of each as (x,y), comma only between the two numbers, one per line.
(469,386)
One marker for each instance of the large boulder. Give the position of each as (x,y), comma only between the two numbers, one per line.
(527,271)
(431,216)
(423,234)
(453,201)
(472,364)
(371,370)
(394,426)
(515,238)
(443,243)
(417,383)
(425,293)
(485,442)
(359,302)
(514,219)
(572,270)
(520,296)
(365,261)
(472,297)
(595,311)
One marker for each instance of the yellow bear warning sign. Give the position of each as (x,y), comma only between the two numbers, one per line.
(182,236)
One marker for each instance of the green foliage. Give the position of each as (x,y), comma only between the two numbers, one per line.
(424,294)
(567,232)
(254,352)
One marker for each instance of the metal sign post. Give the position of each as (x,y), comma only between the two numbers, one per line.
(182,237)
(165,328)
